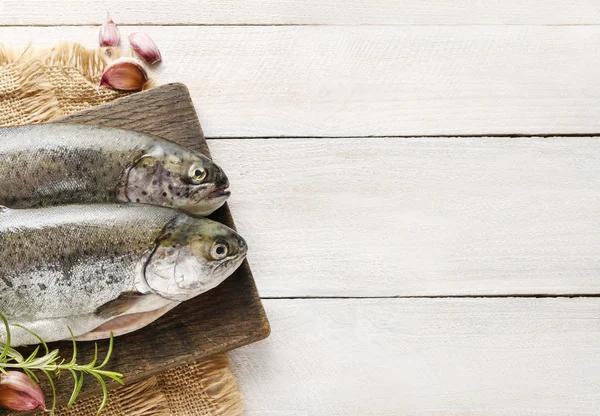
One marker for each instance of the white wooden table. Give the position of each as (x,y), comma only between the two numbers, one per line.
(410,263)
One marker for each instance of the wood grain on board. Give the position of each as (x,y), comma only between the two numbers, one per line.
(264,81)
(229,316)
(434,357)
(268,12)
(418,216)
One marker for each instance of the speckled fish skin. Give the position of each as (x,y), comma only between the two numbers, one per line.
(57,164)
(68,266)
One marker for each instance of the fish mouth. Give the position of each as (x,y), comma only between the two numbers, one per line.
(230,265)
(220,192)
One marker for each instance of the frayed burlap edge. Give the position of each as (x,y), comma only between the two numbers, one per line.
(219,389)
(89,62)
(141,399)
(219,385)
(31,89)
(207,387)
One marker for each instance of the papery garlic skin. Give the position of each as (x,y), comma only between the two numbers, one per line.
(109,34)
(18,392)
(145,47)
(124,74)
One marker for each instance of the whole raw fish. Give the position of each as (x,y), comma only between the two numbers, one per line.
(54,164)
(105,267)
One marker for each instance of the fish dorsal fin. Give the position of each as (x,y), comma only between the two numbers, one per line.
(119,306)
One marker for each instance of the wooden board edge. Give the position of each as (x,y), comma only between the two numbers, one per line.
(177,86)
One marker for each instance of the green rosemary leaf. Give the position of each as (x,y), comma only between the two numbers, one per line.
(75,384)
(118,377)
(74,359)
(33,355)
(93,362)
(108,353)
(7,345)
(51,381)
(79,385)
(35,335)
(15,355)
(31,375)
(104,391)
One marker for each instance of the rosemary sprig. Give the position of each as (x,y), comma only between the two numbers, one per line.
(51,364)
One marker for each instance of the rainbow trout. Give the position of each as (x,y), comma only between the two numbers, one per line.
(54,164)
(102,268)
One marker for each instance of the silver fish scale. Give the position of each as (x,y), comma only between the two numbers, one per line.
(57,164)
(72,259)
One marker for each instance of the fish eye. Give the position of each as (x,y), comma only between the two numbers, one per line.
(219,251)
(197,174)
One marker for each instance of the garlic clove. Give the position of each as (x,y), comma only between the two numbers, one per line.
(145,47)
(109,34)
(124,74)
(18,392)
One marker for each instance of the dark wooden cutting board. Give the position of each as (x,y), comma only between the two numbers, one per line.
(227,317)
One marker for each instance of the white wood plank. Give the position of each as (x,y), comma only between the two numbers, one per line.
(501,357)
(408,12)
(414,217)
(363,81)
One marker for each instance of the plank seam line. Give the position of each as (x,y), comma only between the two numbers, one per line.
(424,136)
(498,296)
(148,24)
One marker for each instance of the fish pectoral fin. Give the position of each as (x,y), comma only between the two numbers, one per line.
(125,324)
(119,306)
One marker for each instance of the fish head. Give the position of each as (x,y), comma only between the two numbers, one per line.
(177,179)
(193,256)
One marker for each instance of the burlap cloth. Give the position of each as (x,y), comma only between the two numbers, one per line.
(37,86)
